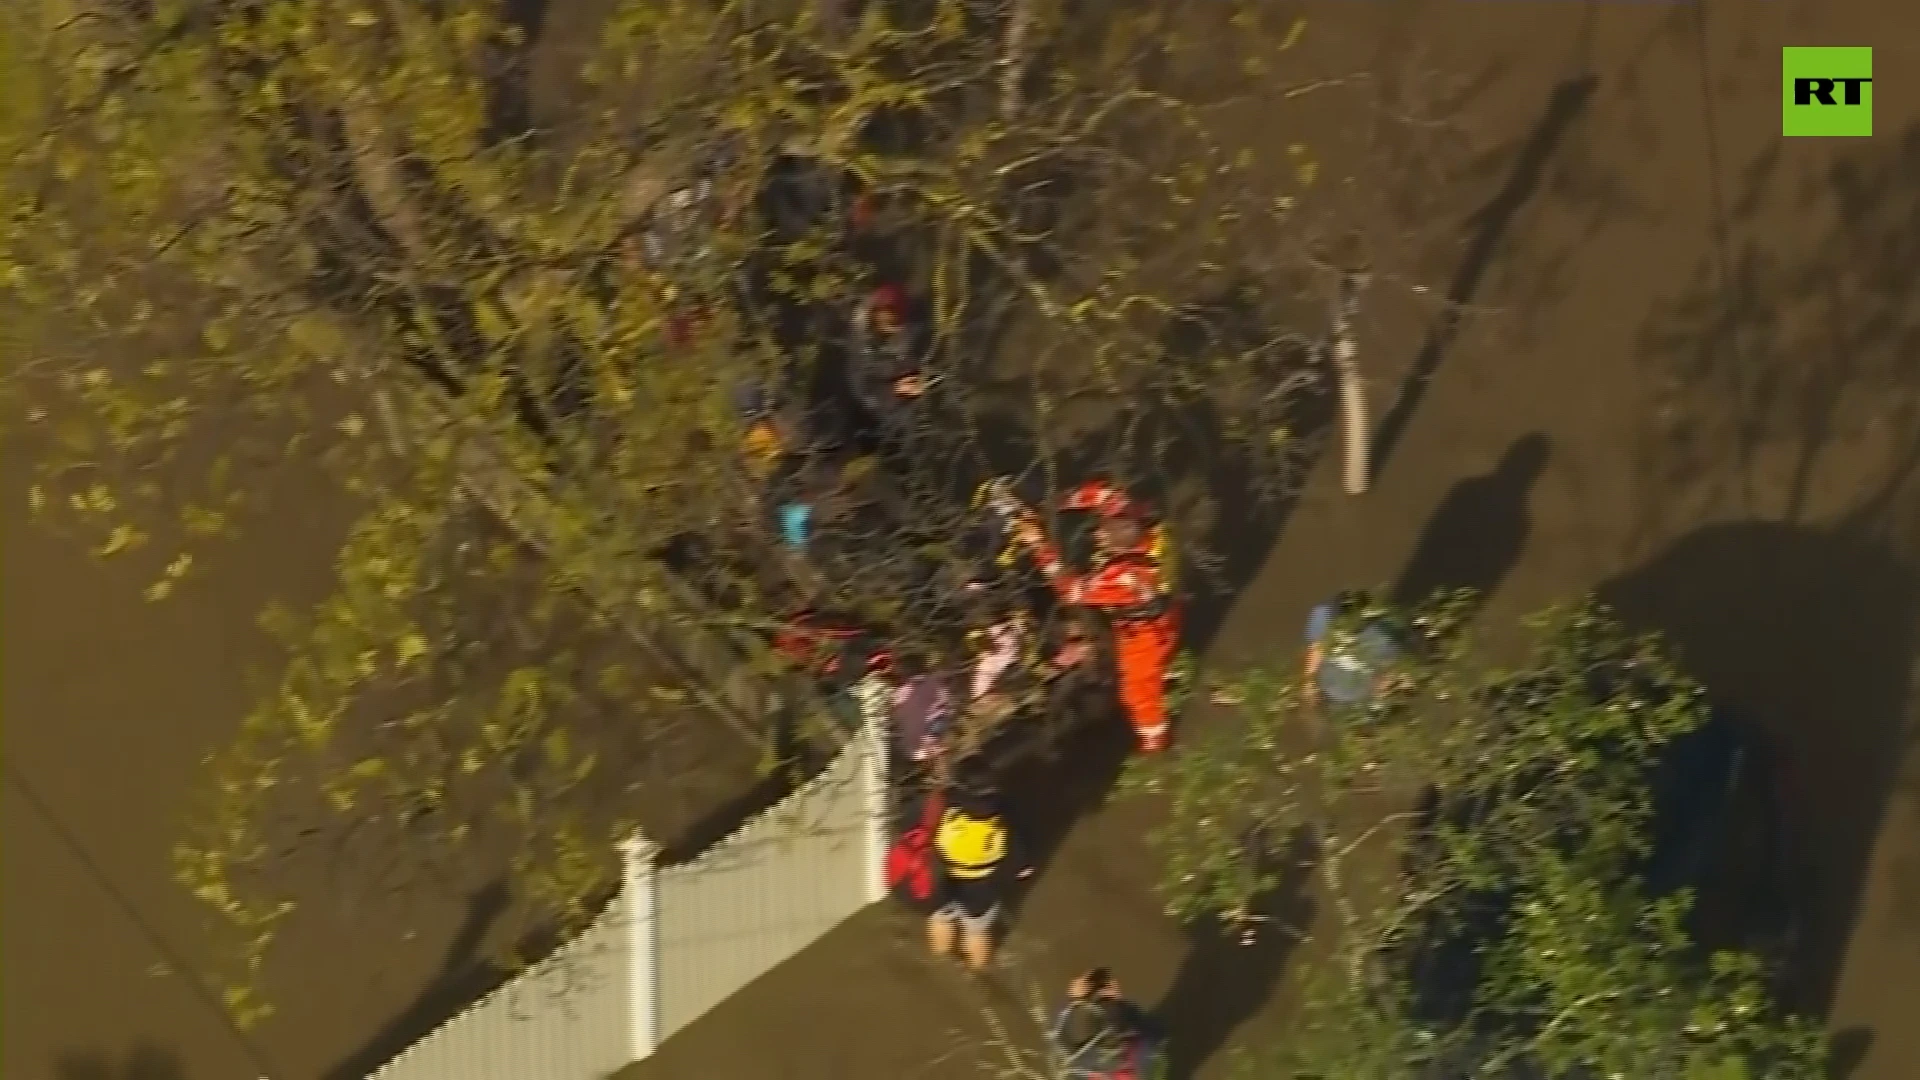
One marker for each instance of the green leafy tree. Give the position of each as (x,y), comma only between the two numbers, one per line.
(243,233)
(1481,838)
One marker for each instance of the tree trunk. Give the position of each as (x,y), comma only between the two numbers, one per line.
(1013,56)
(377,168)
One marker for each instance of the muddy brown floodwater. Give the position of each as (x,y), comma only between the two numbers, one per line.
(1698,337)
(110,703)
(1686,377)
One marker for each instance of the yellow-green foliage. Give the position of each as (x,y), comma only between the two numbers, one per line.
(1528,859)
(249,232)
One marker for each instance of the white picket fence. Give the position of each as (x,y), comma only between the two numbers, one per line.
(678,940)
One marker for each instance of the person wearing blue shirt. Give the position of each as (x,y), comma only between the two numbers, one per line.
(1351,649)
(796,525)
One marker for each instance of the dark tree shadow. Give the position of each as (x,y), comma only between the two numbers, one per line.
(509,89)
(1719,828)
(1052,784)
(1480,529)
(1225,978)
(466,975)
(1180,445)
(1569,100)
(471,969)
(1804,640)
(143,1062)
(1846,1050)
(1442,952)
(1794,350)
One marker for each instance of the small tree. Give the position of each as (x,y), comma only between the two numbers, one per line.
(248,231)
(1482,836)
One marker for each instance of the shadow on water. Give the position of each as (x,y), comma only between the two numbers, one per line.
(144,1062)
(1181,446)
(468,971)
(509,90)
(1172,448)
(1778,355)
(1225,978)
(1049,787)
(1717,824)
(465,977)
(1568,102)
(1805,641)
(1849,1047)
(1480,529)
(1180,443)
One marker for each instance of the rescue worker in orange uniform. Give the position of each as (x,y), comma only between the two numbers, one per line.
(1130,582)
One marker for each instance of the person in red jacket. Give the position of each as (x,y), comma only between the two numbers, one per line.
(1129,582)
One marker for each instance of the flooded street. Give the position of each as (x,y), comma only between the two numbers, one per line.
(110,704)
(1710,330)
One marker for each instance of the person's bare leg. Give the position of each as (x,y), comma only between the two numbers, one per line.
(978,947)
(940,935)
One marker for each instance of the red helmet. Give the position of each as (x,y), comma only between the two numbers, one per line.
(888,298)
(1105,500)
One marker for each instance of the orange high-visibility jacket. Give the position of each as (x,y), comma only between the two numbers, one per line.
(1128,585)
(1133,585)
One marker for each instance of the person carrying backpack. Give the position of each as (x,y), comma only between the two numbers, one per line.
(1100,1035)
(1354,651)
(979,857)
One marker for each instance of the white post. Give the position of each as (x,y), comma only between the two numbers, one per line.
(643,946)
(873,781)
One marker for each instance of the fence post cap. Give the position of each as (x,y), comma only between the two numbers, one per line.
(636,846)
